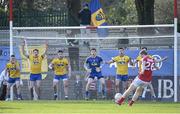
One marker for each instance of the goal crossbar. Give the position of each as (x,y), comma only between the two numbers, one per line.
(94,38)
(84,27)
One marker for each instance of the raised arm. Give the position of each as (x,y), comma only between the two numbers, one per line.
(43,55)
(160,60)
(23,50)
(51,66)
(69,69)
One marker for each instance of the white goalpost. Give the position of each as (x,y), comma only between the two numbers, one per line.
(134,33)
(175,52)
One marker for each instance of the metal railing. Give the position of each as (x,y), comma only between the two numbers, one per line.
(36,18)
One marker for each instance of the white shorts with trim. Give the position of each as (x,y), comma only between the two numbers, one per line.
(139,83)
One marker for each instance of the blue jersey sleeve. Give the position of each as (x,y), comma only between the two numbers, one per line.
(87,61)
(100,59)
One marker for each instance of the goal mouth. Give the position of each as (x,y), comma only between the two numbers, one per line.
(76,43)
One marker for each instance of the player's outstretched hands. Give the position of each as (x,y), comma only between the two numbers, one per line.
(46,44)
(98,69)
(165,58)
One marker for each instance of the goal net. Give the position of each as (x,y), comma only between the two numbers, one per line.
(76,43)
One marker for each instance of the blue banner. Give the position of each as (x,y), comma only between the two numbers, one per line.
(98,17)
(166,67)
(5,54)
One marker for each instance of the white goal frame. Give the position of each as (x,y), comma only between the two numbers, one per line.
(115,27)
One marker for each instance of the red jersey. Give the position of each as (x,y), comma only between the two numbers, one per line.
(147,68)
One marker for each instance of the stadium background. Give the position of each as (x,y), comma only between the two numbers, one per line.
(77,55)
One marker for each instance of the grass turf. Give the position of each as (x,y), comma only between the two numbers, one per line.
(86,107)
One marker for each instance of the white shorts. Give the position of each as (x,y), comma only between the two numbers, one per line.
(139,83)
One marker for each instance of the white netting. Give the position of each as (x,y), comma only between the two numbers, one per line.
(110,32)
(76,42)
(134,36)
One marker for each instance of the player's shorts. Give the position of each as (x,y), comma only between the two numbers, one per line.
(34,77)
(98,75)
(61,77)
(122,77)
(139,83)
(13,80)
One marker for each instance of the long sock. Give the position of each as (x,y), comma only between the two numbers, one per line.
(87,93)
(55,95)
(31,92)
(103,92)
(8,96)
(120,101)
(18,95)
(154,96)
(131,103)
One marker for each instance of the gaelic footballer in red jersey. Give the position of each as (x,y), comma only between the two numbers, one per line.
(147,68)
(142,80)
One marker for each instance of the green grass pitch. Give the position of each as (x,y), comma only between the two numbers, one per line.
(86,107)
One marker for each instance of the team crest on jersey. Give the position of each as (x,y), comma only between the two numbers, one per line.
(12,69)
(94,63)
(36,61)
(60,65)
(121,62)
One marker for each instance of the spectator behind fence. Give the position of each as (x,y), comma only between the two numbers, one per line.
(3,85)
(85,19)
